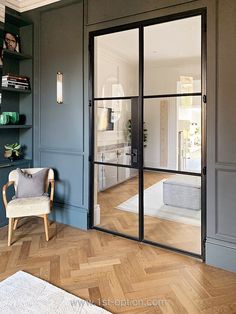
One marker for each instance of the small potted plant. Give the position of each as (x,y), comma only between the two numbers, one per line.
(145,133)
(12,151)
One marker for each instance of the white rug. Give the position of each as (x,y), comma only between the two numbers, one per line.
(154,206)
(25,294)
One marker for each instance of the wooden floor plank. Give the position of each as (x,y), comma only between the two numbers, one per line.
(117,273)
(179,235)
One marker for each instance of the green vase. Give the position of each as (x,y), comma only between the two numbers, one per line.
(4,119)
(13,117)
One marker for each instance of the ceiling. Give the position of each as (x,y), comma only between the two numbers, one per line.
(175,40)
(25,5)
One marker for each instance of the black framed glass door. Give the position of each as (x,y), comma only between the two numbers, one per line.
(148,131)
(116,110)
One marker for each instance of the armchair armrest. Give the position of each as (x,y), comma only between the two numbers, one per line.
(4,190)
(52,182)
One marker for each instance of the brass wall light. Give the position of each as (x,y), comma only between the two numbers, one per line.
(59,88)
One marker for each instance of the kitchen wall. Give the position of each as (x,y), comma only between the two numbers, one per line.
(72,160)
(114,69)
(163,78)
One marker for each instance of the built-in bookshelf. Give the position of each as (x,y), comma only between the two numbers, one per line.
(18,63)
(16,55)
(17,126)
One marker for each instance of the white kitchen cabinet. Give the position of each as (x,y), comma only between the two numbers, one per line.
(112,175)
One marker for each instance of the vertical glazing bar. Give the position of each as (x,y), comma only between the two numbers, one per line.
(141,125)
(203,133)
(135,113)
(92,130)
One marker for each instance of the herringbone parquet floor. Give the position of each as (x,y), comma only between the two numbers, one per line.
(108,270)
(175,234)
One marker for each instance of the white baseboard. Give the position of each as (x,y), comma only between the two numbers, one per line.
(97,215)
(221,254)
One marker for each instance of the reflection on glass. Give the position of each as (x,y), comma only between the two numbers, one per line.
(174,133)
(172,210)
(116,199)
(113,131)
(116,64)
(172,57)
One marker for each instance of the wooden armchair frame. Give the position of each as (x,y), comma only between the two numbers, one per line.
(12,225)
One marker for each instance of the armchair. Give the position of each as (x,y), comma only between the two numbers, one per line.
(31,206)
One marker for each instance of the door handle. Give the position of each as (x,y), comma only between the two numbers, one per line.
(134,155)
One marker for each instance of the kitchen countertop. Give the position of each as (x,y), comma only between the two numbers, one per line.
(112,147)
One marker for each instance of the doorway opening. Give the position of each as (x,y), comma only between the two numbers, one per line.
(148,160)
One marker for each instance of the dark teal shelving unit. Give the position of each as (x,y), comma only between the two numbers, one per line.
(15,55)
(24,126)
(19,63)
(16,90)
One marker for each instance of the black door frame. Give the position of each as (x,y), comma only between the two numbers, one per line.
(141,97)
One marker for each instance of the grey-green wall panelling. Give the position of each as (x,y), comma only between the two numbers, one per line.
(68,167)
(103,10)
(225,202)
(226,91)
(221,211)
(59,128)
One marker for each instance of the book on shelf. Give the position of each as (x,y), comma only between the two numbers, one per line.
(16,86)
(16,81)
(16,77)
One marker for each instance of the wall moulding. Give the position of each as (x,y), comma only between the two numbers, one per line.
(26,5)
(2,11)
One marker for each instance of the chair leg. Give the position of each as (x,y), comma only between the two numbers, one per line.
(45,218)
(10,229)
(15,223)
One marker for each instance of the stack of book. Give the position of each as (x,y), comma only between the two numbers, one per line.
(16,81)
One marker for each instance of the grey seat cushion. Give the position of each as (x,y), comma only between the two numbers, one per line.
(182,191)
(31,185)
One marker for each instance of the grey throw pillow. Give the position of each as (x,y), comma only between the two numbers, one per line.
(31,185)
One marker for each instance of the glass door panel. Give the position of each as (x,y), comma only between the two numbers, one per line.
(173,123)
(116,127)
(116,132)
(168,164)
(116,64)
(116,199)
(172,57)
(172,210)
(173,127)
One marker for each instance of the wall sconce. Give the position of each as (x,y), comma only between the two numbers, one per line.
(59,88)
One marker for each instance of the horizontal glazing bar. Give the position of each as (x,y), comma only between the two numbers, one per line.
(167,247)
(115,233)
(111,164)
(172,95)
(114,98)
(196,174)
